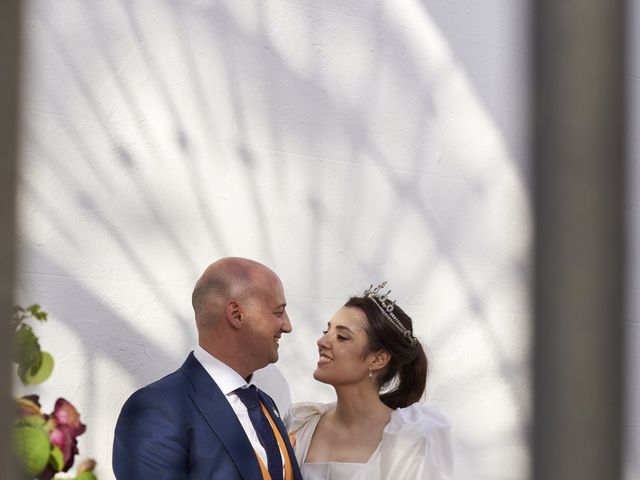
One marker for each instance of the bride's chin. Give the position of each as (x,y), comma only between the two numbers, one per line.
(318,376)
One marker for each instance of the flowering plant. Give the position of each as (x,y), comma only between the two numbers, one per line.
(45,444)
(34,365)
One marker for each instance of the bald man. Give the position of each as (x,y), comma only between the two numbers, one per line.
(206,420)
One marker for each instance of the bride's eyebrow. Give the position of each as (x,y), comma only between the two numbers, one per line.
(339,327)
(343,327)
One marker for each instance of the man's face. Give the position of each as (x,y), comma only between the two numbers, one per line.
(264,312)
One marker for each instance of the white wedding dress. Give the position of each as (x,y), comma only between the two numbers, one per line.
(415,445)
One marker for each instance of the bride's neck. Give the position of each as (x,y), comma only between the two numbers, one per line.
(355,405)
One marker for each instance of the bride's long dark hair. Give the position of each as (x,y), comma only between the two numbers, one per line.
(404,378)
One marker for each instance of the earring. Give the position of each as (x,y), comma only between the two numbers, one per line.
(370,373)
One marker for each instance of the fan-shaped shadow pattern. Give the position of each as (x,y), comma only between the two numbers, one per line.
(156,176)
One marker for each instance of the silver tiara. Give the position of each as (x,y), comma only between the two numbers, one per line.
(386,306)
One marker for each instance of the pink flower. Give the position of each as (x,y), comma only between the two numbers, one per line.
(63,426)
(66,424)
(67,417)
(62,438)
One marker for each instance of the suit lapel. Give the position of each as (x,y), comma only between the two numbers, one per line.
(215,408)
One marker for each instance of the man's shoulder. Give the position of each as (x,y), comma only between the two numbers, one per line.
(175,381)
(168,389)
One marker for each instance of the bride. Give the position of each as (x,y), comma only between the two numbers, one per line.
(369,347)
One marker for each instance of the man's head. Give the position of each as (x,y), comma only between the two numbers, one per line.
(240,313)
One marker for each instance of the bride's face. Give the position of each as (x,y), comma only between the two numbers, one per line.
(341,349)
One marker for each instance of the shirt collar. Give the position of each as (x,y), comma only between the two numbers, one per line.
(225,377)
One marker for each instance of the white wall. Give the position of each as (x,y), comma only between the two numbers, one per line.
(339,142)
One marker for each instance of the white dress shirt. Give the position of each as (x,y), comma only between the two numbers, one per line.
(229,380)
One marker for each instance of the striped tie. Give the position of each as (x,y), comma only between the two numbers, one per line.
(249,396)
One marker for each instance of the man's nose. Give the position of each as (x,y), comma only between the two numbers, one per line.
(286,324)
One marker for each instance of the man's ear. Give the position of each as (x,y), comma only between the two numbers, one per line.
(380,360)
(233,313)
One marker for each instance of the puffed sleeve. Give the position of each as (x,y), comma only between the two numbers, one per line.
(301,422)
(416,445)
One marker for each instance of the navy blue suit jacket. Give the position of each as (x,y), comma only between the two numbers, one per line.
(182,427)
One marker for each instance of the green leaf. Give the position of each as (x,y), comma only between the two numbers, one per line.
(44,372)
(27,351)
(32,448)
(31,421)
(86,476)
(25,341)
(37,313)
(56,459)
(20,314)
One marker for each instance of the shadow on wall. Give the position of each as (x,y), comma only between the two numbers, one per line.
(101,330)
(155,177)
(475,31)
